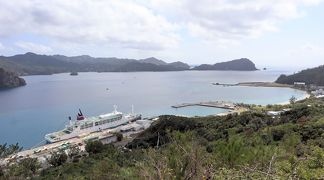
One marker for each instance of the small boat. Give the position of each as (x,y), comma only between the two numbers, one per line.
(74,73)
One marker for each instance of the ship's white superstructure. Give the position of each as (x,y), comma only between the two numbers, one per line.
(84,126)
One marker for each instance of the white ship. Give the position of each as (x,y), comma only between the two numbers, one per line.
(86,125)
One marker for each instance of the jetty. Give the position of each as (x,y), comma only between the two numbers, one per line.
(254,84)
(224,84)
(215,104)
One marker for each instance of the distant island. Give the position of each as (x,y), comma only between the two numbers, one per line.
(242,64)
(10,79)
(313,76)
(35,64)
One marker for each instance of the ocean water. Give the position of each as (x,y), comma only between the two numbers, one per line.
(28,113)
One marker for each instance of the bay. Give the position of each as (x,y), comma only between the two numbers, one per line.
(43,105)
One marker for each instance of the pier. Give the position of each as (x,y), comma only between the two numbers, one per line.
(215,104)
(106,136)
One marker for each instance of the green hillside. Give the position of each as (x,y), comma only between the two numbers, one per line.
(309,76)
(252,145)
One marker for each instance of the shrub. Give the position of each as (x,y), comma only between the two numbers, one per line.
(119,136)
(57,158)
(94,147)
(277,134)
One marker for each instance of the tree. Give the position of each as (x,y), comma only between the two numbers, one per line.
(230,152)
(1,172)
(57,158)
(94,147)
(292,100)
(27,167)
(73,151)
(119,136)
(11,149)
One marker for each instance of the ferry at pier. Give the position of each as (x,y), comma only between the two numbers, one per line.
(86,125)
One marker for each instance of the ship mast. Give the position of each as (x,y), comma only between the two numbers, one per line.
(70,120)
(115,108)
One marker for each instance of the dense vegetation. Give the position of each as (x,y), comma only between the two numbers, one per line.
(234,65)
(309,76)
(10,79)
(252,145)
(33,64)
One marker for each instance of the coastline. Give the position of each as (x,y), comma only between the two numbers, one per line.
(237,110)
(307,95)
(240,110)
(273,84)
(264,84)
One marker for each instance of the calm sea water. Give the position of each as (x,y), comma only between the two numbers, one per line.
(28,113)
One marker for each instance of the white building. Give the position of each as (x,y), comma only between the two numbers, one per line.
(274,113)
(300,83)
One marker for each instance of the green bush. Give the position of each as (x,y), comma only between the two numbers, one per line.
(94,147)
(57,158)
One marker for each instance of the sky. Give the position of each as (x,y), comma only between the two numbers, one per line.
(272,33)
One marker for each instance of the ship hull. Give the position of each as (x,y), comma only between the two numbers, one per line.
(124,120)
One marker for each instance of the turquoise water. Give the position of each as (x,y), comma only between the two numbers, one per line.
(28,113)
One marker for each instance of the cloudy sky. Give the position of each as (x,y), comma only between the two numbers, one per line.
(272,33)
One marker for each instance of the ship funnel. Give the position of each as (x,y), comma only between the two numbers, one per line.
(80,115)
(80,112)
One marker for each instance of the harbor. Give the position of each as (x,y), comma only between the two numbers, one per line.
(106,136)
(104,128)
(18,122)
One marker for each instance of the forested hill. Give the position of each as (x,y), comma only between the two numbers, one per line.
(34,64)
(309,76)
(10,79)
(242,64)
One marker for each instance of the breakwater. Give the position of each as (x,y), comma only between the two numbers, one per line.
(215,104)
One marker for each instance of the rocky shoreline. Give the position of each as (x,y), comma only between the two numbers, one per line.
(10,79)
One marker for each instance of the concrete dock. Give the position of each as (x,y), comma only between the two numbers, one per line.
(105,136)
(215,104)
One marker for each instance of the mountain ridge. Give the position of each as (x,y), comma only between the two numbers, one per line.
(36,64)
(242,64)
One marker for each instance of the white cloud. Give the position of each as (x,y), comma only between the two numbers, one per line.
(227,20)
(1,46)
(145,24)
(311,55)
(308,49)
(121,23)
(312,48)
(33,47)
